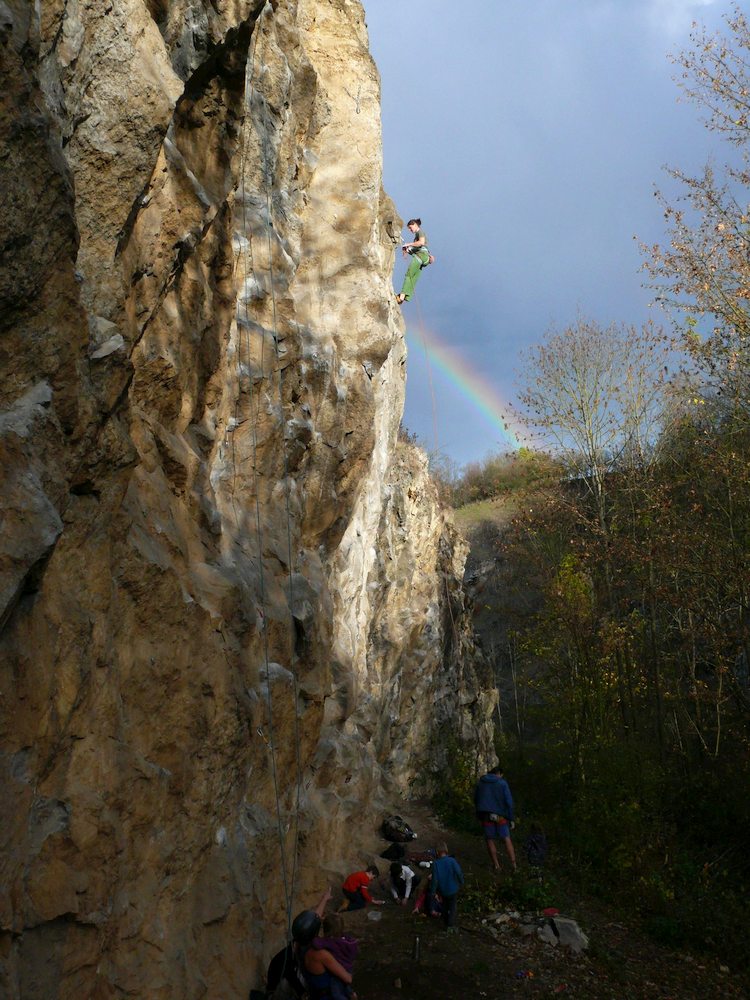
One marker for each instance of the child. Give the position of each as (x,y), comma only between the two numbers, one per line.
(355,890)
(344,948)
(403,880)
(324,975)
(447,879)
(427,905)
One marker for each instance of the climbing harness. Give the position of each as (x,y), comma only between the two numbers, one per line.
(417,252)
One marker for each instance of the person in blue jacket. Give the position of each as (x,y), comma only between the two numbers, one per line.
(494,807)
(447,879)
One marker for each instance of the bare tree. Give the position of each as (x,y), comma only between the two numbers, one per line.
(703,275)
(595,396)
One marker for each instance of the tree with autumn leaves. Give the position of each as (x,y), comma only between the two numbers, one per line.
(638,645)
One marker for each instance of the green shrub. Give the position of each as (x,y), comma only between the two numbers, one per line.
(517,892)
(454,800)
(668,846)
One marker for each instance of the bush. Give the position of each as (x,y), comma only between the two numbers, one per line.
(454,800)
(500,474)
(517,892)
(661,844)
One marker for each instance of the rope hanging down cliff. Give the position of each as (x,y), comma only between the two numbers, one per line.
(254,403)
(423,334)
(419,247)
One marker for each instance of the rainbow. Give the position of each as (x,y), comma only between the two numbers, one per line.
(472,384)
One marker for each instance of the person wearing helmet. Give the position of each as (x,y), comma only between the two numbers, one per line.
(326,978)
(285,970)
(305,927)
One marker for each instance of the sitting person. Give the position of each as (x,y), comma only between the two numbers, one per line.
(285,977)
(356,893)
(326,978)
(428,904)
(403,880)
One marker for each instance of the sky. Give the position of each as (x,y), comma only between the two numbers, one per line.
(529,136)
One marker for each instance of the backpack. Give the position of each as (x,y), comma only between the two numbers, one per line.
(285,977)
(397,829)
(396,852)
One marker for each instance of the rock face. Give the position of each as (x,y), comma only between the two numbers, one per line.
(231,624)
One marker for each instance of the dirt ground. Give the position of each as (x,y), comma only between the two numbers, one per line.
(408,957)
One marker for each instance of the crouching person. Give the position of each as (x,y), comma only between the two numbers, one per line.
(356,894)
(403,881)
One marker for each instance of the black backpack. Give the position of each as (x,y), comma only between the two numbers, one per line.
(396,852)
(396,829)
(285,974)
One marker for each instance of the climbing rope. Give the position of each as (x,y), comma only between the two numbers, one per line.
(429,374)
(423,335)
(287,490)
(254,405)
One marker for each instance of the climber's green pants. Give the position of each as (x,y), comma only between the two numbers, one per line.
(414,270)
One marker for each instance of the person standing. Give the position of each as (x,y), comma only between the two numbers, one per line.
(494,807)
(420,258)
(447,879)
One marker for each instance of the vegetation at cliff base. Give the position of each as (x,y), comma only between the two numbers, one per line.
(625,637)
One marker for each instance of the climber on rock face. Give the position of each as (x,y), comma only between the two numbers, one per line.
(420,258)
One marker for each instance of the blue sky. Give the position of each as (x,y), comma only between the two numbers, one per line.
(529,136)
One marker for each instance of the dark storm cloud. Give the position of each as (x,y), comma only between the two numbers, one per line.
(528,135)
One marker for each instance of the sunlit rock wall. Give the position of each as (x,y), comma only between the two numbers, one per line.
(231,627)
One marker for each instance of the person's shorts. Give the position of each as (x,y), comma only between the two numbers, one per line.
(493,828)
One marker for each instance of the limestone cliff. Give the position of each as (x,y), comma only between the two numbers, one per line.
(231,621)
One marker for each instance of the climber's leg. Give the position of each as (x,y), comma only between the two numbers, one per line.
(411,277)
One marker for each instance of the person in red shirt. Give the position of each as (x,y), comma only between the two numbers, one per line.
(355,890)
